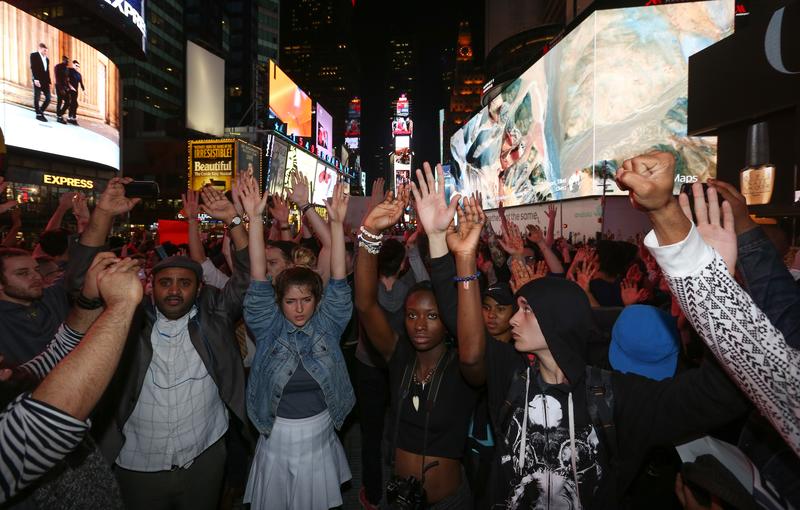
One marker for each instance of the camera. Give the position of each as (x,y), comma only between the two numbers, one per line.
(406,494)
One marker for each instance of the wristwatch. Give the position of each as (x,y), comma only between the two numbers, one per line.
(235,222)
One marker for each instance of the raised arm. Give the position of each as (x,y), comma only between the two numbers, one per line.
(337,210)
(300,196)
(552,212)
(191,206)
(279,209)
(372,317)
(463,244)
(76,384)
(536,237)
(435,216)
(254,205)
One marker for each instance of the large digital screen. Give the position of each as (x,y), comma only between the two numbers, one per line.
(351,142)
(212,162)
(85,89)
(614,87)
(324,183)
(205,90)
(289,103)
(300,162)
(324,140)
(402,126)
(127,14)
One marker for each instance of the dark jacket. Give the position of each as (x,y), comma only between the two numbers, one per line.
(211,332)
(40,72)
(61,72)
(75,79)
(770,284)
(646,412)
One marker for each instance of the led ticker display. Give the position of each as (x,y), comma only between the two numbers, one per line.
(289,103)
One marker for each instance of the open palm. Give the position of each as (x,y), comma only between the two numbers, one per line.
(432,210)
(714,223)
(464,240)
(388,212)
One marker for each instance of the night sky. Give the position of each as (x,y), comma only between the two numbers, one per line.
(433,25)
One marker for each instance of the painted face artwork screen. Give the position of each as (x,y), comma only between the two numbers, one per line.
(614,87)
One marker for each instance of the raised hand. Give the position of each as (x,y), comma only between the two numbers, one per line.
(512,240)
(716,229)
(631,293)
(337,204)
(586,270)
(216,204)
(66,200)
(113,200)
(119,284)
(236,196)
(432,211)
(378,194)
(252,201)
(279,209)
(191,204)
(80,209)
(388,212)
(649,178)
(535,234)
(464,240)
(299,192)
(101,262)
(551,212)
(742,222)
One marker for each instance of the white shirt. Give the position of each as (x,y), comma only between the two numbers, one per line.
(44,61)
(179,413)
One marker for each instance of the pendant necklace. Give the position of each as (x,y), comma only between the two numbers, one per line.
(421,385)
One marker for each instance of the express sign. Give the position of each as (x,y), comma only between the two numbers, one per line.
(71,182)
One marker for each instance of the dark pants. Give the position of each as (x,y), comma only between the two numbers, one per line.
(37,91)
(194,488)
(372,391)
(62,101)
(73,103)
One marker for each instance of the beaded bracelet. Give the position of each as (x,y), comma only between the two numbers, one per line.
(466,279)
(369,235)
(372,247)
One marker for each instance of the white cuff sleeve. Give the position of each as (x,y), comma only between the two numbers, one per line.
(213,276)
(681,259)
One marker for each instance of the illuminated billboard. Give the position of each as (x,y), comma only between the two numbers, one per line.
(128,15)
(351,142)
(402,126)
(614,87)
(205,91)
(402,106)
(218,162)
(324,183)
(289,103)
(278,151)
(85,91)
(324,139)
(300,162)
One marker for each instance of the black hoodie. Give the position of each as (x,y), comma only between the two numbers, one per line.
(542,472)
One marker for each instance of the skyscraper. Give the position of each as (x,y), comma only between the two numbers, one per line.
(468,79)
(317,53)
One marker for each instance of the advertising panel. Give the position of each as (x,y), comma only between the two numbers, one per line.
(324,183)
(128,15)
(205,90)
(615,87)
(402,106)
(211,162)
(303,163)
(402,126)
(324,139)
(289,103)
(248,161)
(277,165)
(351,142)
(352,128)
(66,77)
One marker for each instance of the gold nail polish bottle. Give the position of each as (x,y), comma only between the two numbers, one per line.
(758,177)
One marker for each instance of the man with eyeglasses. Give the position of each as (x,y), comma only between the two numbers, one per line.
(75,79)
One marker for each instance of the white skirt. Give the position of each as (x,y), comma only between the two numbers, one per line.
(300,466)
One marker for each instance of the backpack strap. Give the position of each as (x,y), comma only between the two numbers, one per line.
(600,404)
(405,387)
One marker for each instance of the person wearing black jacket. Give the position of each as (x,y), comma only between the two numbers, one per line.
(61,72)
(40,71)
(75,79)
(550,452)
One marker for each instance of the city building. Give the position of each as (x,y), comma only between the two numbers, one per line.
(317,52)
(468,79)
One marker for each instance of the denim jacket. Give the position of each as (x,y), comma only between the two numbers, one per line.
(280,346)
(770,284)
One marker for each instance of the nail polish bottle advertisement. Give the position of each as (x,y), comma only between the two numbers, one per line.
(758,177)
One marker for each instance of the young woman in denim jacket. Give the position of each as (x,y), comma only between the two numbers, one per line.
(299,389)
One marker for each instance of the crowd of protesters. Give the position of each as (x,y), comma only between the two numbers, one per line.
(486,369)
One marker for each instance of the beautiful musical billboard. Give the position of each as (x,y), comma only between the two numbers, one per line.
(614,87)
(58,95)
(289,103)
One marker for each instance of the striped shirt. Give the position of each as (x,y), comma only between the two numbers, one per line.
(34,436)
